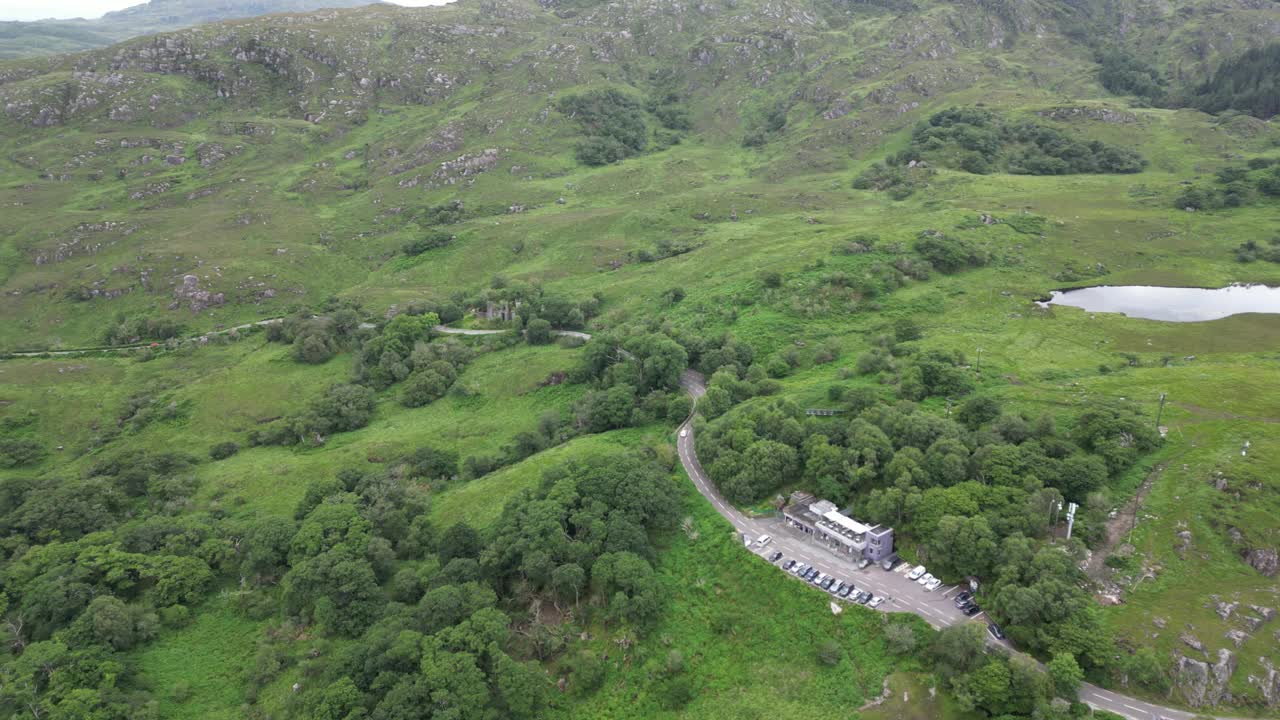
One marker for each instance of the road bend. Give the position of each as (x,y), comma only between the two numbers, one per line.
(901,594)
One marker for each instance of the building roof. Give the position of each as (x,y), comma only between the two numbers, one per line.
(850,524)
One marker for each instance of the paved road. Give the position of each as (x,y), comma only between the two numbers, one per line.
(902,595)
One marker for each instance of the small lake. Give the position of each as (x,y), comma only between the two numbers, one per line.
(1172,304)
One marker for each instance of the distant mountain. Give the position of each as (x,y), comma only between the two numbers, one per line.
(47,37)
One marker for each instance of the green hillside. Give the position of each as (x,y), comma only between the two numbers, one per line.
(857,206)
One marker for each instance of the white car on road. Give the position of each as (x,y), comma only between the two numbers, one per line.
(684,432)
(916,572)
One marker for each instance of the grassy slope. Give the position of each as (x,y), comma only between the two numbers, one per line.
(297,196)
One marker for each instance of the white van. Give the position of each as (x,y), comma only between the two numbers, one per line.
(763,540)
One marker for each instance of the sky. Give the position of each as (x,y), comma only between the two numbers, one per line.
(41,9)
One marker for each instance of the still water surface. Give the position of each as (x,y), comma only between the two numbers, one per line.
(1171,303)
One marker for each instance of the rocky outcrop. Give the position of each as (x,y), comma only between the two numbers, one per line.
(190,293)
(1101,114)
(1268,683)
(1191,641)
(1202,684)
(1264,560)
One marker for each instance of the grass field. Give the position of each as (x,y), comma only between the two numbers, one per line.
(299,212)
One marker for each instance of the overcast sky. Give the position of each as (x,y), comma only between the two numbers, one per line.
(40,9)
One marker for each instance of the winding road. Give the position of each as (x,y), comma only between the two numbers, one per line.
(903,595)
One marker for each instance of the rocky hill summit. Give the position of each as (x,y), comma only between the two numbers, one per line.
(44,37)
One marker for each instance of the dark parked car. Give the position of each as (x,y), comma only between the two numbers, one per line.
(788,565)
(889,563)
(775,557)
(813,573)
(864,597)
(995,631)
(844,591)
(964,597)
(971,610)
(826,584)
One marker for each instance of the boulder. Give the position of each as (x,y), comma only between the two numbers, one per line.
(1224,609)
(1266,613)
(1237,636)
(1264,560)
(1191,641)
(1253,622)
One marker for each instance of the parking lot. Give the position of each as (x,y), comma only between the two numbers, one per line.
(900,593)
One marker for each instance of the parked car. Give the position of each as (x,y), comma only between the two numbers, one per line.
(876,601)
(864,597)
(813,573)
(845,591)
(863,563)
(775,557)
(763,540)
(963,597)
(837,587)
(932,585)
(800,570)
(889,563)
(971,610)
(995,631)
(788,565)
(826,584)
(924,579)
(916,573)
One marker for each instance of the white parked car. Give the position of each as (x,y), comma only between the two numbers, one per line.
(763,540)
(916,572)
(932,585)
(876,601)
(925,579)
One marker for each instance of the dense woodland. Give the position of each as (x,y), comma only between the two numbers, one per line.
(974,476)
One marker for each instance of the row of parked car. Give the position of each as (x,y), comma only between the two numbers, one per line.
(922,576)
(835,586)
(969,606)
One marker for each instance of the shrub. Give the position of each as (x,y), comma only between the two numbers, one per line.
(18,452)
(612,121)
(224,450)
(429,242)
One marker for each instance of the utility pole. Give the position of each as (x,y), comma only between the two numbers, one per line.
(1160,412)
(1054,507)
(1071,518)
(979,365)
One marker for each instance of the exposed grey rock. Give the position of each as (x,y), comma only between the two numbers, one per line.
(1237,636)
(1264,560)
(1191,641)
(1160,622)
(1268,683)
(1203,684)
(1267,613)
(1224,609)
(189,292)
